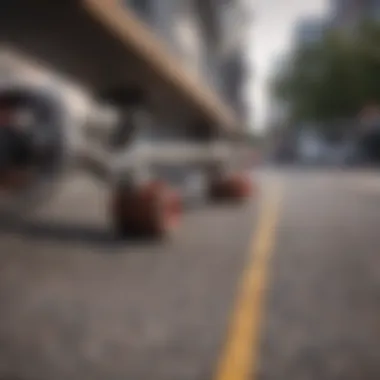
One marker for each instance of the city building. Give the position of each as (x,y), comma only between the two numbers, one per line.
(310,30)
(207,36)
(236,18)
(347,14)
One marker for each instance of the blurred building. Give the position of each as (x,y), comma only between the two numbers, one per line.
(234,23)
(310,30)
(347,14)
(208,38)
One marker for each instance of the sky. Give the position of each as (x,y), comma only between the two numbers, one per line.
(270,36)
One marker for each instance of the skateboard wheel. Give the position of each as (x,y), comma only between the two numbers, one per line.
(153,210)
(235,187)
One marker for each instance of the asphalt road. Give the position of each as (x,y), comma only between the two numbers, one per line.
(76,304)
(323,304)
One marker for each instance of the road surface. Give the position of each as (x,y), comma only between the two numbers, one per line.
(284,287)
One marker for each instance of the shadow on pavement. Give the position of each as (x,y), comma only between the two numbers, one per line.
(67,232)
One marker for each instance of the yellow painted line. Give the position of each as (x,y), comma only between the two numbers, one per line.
(240,356)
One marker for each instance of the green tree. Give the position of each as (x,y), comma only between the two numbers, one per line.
(332,79)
